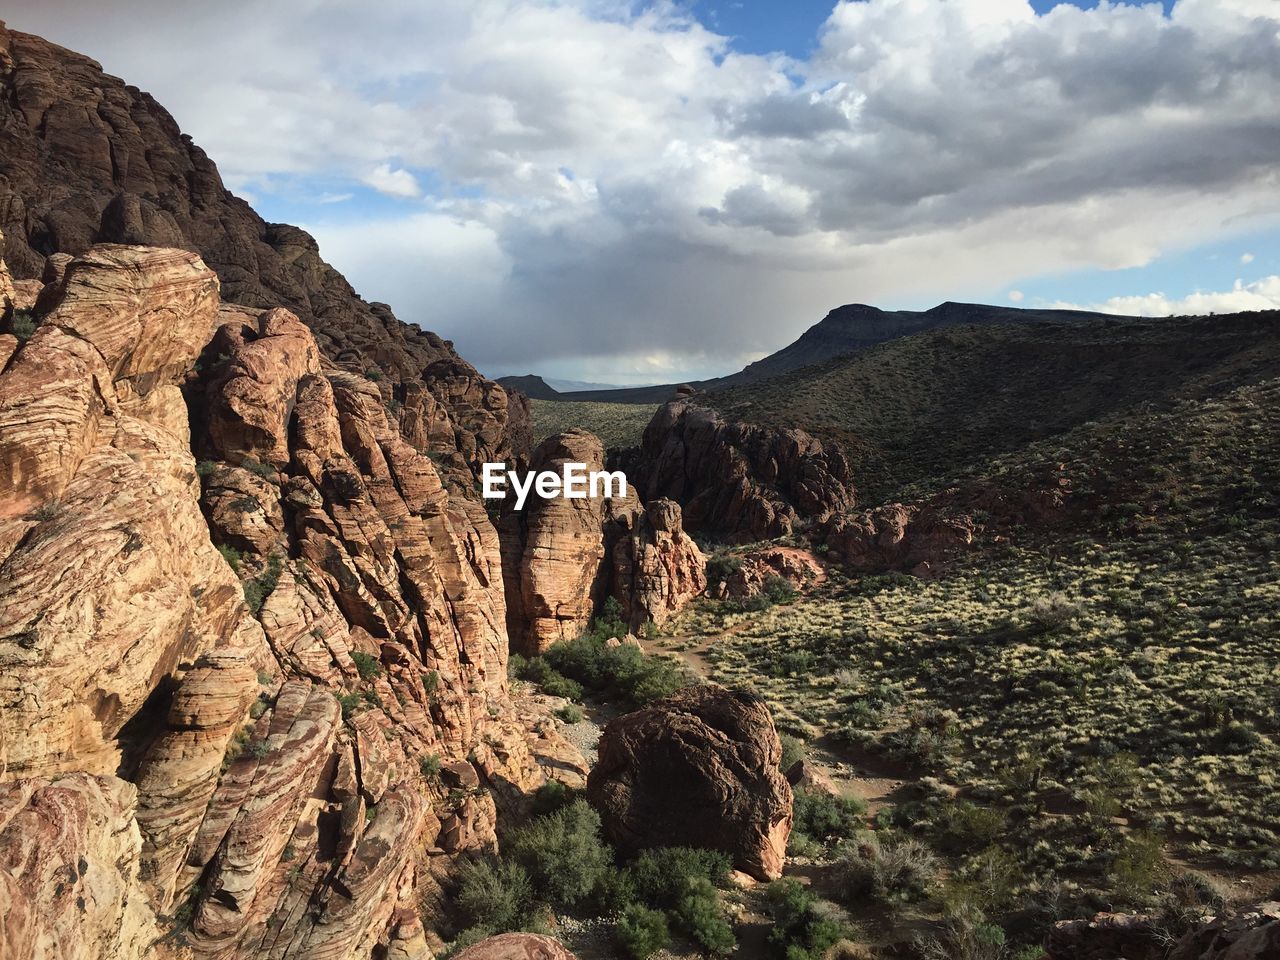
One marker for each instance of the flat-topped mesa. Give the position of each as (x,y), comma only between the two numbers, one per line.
(89,159)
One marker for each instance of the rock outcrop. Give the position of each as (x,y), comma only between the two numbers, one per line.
(754,573)
(1248,934)
(898,537)
(739,480)
(240,610)
(562,557)
(554,550)
(517,946)
(698,769)
(657,568)
(89,159)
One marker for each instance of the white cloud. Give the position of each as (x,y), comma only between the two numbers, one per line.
(619,183)
(1261,294)
(1016,296)
(393,183)
(1246,258)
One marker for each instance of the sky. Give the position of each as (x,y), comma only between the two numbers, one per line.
(638,192)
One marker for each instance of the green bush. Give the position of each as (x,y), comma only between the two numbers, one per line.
(622,671)
(231,555)
(888,870)
(429,766)
(552,682)
(550,797)
(368,666)
(700,914)
(495,894)
(570,713)
(23,324)
(257,590)
(661,873)
(802,928)
(825,817)
(721,567)
(642,932)
(793,751)
(563,853)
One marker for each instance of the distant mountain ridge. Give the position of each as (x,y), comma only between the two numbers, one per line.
(848,329)
(532,386)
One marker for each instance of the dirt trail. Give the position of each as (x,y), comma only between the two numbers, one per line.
(854,772)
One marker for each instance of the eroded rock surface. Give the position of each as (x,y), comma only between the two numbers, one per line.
(697,769)
(657,568)
(1252,933)
(740,480)
(517,946)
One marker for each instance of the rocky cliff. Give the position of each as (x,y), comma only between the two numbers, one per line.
(738,480)
(86,158)
(240,613)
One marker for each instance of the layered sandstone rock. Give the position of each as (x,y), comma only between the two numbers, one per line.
(69,854)
(898,537)
(554,550)
(657,568)
(755,572)
(517,946)
(263,823)
(111,581)
(698,769)
(88,159)
(740,480)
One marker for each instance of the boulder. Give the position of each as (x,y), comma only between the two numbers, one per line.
(799,569)
(516,946)
(697,769)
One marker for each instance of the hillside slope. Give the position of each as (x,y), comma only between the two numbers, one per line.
(86,158)
(925,408)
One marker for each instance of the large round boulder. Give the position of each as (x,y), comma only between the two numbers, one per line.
(698,769)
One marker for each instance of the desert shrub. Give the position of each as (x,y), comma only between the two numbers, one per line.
(983,883)
(495,895)
(793,751)
(964,826)
(367,665)
(721,567)
(803,929)
(550,797)
(570,713)
(23,324)
(660,873)
(1138,868)
(778,589)
(822,816)
(349,702)
(888,869)
(967,937)
(1052,613)
(623,671)
(552,681)
(429,766)
(701,916)
(642,932)
(231,555)
(258,589)
(563,853)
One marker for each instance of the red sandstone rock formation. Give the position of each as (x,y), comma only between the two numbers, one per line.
(213,777)
(738,479)
(1249,934)
(88,159)
(799,569)
(698,769)
(517,946)
(657,568)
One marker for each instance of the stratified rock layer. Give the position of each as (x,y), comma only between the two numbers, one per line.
(241,656)
(517,946)
(657,568)
(739,480)
(699,769)
(88,159)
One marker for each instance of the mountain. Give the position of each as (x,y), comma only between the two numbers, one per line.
(848,329)
(532,386)
(85,158)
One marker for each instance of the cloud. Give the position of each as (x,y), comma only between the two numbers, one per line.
(1261,294)
(609,180)
(393,183)
(1246,258)
(1016,296)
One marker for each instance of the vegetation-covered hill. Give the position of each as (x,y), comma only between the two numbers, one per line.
(616,424)
(931,406)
